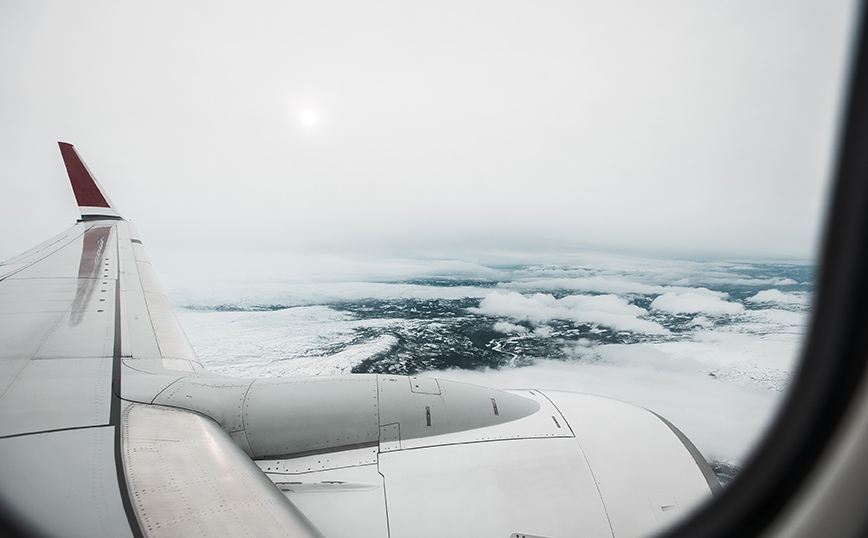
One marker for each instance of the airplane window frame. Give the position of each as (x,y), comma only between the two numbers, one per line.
(834,355)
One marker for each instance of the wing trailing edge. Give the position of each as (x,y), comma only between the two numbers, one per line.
(93,202)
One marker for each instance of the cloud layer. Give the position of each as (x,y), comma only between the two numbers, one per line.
(607,310)
(691,302)
(779,297)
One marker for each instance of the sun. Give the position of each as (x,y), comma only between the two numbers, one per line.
(308,118)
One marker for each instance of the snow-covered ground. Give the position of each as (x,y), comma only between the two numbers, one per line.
(710,346)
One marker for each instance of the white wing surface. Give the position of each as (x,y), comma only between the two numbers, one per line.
(109,426)
(74,313)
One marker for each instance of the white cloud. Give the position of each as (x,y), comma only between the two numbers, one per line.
(779,297)
(720,389)
(602,284)
(693,303)
(702,321)
(507,327)
(607,310)
(542,332)
(723,419)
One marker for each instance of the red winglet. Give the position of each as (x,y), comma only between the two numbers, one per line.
(92,199)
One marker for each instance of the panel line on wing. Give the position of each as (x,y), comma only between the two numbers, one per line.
(317,452)
(587,463)
(38,249)
(24,363)
(243,423)
(54,430)
(478,441)
(115,412)
(115,387)
(385,499)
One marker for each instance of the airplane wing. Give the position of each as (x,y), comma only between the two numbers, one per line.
(110,426)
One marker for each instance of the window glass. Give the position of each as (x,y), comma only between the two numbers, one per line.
(621,198)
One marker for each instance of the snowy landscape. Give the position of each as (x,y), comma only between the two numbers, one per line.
(711,346)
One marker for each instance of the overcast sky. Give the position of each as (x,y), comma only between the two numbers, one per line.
(690,128)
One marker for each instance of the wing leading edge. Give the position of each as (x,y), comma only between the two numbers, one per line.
(105,411)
